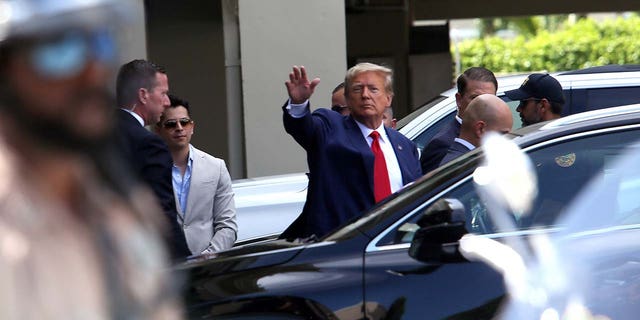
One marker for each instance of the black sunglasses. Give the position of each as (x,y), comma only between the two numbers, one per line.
(338,108)
(173,123)
(523,103)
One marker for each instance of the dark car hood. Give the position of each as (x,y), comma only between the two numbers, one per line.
(245,257)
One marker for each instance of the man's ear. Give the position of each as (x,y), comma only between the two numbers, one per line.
(143,94)
(458,100)
(479,128)
(389,100)
(545,105)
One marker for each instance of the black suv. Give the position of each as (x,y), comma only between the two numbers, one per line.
(364,271)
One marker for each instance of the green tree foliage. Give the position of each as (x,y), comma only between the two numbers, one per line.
(583,44)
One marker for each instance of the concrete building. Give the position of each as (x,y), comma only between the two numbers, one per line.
(230,59)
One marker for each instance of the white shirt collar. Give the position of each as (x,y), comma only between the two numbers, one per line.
(366,131)
(135,115)
(458,119)
(465,143)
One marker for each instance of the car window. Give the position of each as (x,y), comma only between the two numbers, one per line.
(563,168)
(598,98)
(425,136)
(612,201)
(517,122)
(408,118)
(624,194)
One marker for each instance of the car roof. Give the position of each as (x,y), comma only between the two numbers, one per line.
(605,69)
(596,77)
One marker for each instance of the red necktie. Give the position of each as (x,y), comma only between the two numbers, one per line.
(381,184)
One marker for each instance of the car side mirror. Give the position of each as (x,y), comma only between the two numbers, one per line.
(441,226)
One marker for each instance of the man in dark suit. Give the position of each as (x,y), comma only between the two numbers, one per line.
(485,113)
(472,83)
(142,89)
(349,170)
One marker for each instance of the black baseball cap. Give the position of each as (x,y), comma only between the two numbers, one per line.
(539,86)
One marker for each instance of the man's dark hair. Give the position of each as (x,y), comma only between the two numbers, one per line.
(177,101)
(475,74)
(556,107)
(132,76)
(338,87)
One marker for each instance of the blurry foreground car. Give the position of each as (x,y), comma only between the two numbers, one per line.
(267,205)
(588,267)
(364,271)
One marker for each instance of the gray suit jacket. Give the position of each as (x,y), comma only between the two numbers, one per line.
(210,221)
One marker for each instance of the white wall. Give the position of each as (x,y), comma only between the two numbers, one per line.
(275,35)
(133,38)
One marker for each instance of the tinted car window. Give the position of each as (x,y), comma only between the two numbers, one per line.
(563,168)
(598,98)
(517,123)
(423,139)
(408,118)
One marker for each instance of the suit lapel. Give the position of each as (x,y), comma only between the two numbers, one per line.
(194,184)
(181,214)
(401,153)
(357,140)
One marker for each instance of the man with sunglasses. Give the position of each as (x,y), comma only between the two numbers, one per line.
(541,98)
(201,182)
(142,94)
(338,100)
(74,242)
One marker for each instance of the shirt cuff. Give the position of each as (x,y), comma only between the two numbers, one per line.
(297,110)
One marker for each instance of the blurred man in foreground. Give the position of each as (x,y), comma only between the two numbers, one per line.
(77,239)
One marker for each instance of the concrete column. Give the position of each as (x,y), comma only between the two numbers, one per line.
(187,37)
(275,35)
(233,72)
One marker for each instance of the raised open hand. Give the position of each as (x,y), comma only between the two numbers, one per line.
(298,86)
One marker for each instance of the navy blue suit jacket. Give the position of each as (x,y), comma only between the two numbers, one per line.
(435,150)
(340,169)
(455,150)
(149,158)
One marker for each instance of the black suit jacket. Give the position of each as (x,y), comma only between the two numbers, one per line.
(436,149)
(340,169)
(149,158)
(455,150)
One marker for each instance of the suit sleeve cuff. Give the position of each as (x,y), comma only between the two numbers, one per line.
(297,110)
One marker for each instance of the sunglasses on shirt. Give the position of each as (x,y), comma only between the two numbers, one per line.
(173,123)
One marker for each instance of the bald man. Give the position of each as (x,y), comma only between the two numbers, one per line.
(485,113)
